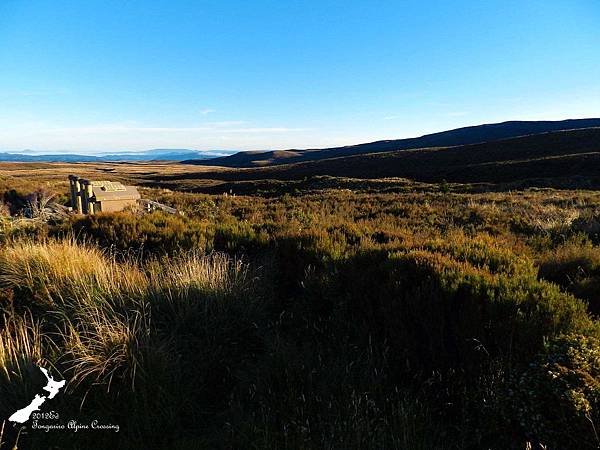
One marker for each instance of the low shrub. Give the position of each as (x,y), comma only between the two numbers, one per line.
(575,266)
(155,233)
(557,399)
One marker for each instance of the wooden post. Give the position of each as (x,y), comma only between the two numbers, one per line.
(84,197)
(89,193)
(72,192)
(78,195)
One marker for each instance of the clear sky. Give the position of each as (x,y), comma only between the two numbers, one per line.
(86,75)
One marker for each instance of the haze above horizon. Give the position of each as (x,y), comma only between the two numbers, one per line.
(110,75)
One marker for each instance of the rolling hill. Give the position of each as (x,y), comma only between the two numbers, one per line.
(459,136)
(547,159)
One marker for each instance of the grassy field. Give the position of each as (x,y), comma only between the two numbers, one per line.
(326,312)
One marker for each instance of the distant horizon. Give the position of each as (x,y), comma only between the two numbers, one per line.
(106,76)
(28,151)
(224,152)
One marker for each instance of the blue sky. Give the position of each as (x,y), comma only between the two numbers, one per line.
(98,75)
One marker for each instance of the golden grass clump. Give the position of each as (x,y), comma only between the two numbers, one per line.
(102,306)
(216,273)
(20,345)
(60,270)
(67,270)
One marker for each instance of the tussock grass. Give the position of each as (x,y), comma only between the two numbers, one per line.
(335,319)
(20,346)
(118,327)
(215,274)
(65,271)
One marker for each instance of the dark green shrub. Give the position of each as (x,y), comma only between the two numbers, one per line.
(575,267)
(154,233)
(443,313)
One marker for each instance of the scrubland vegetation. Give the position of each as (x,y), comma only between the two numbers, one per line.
(371,318)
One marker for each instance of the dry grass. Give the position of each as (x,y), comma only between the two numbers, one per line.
(29,177)
(214,273)
(64,270)
(20,346)
(357,285)
(103,304)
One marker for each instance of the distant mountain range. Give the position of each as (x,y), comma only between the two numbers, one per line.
(162,154)
(460,136)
